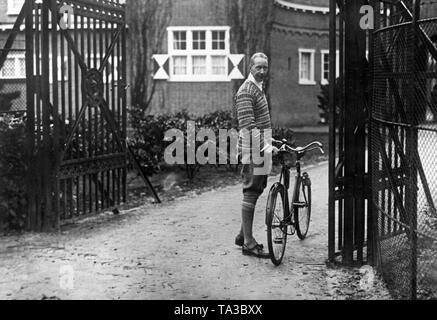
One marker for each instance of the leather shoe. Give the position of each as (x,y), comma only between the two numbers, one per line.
(256,251)
(239,241)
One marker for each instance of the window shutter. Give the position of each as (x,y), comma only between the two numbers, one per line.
(237,69)
(161,72)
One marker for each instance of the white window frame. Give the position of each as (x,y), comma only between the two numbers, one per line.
(324,81)
(16,56)
(310,81)
(12,10)
(189,53)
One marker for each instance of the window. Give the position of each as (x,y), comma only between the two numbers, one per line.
(218,65)
(14,66)
(199,65)
(325,66)
(14,6)
(218,40)
(180,40)
(306,67)
(179,65)
(198,53)
(199,40)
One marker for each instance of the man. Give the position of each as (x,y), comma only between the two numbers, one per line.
(252,111)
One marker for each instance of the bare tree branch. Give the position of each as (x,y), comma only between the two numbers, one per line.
(148,20)
(251,27)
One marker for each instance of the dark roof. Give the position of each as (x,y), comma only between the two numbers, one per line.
(317,3)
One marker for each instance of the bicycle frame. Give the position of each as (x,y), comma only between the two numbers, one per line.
(290,215)
(284,179)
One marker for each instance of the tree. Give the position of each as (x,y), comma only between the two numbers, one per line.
(147,21)
(251,27)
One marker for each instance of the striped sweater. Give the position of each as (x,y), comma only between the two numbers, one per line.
(252,111)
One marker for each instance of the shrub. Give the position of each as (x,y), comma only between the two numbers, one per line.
(147,140)
(216,120)
(13,168)
(279,133)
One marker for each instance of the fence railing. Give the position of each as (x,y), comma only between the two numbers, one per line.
(404,156)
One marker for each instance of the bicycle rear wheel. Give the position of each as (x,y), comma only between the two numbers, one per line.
(302,207)
(276,226)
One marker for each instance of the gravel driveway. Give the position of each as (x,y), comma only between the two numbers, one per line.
(178,250)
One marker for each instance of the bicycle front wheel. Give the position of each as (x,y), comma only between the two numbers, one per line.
(302,207)
(275,221)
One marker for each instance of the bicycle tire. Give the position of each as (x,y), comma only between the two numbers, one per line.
(302,206)
(276,230)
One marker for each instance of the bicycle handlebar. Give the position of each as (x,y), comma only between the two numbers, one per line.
(287,148)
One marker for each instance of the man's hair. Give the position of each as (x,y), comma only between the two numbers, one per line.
(256,55)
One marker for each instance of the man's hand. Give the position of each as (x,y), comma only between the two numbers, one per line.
(271,149)
(275,150)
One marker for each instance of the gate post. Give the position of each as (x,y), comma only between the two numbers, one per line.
(411,146)
(371,227)
(46,199)
(354,147)
(56,222)
(332,133)
(30,120)
(50,145)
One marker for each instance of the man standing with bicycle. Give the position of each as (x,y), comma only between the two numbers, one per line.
(253,114)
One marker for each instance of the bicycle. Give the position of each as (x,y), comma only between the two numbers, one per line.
(279,214)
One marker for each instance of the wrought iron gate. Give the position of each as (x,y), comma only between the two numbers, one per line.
(383,184)
(77,104)
(76,108)
(349,213)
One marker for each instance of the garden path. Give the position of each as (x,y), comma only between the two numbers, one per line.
(181,249)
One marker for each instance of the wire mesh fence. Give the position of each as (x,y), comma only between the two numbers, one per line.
(13,81)
(404,140)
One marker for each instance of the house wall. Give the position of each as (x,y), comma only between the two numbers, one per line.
(294,104)
(291,102)
(197,98)
(199,13)
(6,18)
(309,20)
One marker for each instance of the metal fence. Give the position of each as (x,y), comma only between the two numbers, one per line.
(13,81)
(404,149)
(74,92)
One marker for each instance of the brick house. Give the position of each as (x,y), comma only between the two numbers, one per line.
(198,67)
(300,60)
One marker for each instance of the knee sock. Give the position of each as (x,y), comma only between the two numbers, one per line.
(249,201)
(248,208)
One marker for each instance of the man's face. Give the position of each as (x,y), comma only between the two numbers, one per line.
(259,69)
